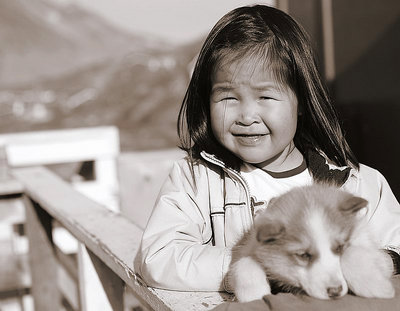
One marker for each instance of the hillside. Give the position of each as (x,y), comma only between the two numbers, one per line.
(41,39)
(73,69)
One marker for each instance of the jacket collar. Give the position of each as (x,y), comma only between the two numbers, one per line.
(349,172)
(213,159)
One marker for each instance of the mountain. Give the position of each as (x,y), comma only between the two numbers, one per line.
(84,72)
(42,39)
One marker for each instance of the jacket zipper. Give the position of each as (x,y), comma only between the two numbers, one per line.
(236,174)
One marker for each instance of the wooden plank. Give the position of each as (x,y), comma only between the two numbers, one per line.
(111,237)
(12,211)
(61,146)
(43,262)
(68,287)
(112,284)
(283,5)
(10,186)
(68,262)
(100,144)
(15,277)
(54,147)
(328,40)
(92,292)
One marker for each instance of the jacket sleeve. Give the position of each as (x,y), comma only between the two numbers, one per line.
(176,252)
(385,212)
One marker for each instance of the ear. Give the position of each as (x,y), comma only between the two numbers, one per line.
(268,233)
(353,205)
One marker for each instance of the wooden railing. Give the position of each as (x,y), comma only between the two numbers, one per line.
(111,240)
(87,157)
(99,145)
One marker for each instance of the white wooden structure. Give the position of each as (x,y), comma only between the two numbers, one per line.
(71,147)
(97,144)
(111,239)
(95,273)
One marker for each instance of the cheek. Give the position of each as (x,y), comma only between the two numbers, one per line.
(284,121)
(215,118)
(219,119)
(291,120)
(292,112)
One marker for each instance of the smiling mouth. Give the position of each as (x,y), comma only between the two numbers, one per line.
(249,139)
(249,135)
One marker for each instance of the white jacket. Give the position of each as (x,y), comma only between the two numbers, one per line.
(186,244)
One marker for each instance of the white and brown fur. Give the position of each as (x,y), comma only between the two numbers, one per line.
(311,239)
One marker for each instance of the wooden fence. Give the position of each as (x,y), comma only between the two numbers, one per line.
(66,152)
(83,234)
(111,239)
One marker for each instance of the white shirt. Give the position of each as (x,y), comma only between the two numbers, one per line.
(265,185)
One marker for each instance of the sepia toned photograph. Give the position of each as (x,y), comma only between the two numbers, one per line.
(199,155)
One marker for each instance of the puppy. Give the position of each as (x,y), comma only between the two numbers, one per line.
(312,239)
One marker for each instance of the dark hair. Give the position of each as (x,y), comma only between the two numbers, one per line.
(272,34)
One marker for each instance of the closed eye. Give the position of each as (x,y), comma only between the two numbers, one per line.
(340,244)
(304,258)
(339,248)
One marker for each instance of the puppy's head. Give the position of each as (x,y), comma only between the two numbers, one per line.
(302,235)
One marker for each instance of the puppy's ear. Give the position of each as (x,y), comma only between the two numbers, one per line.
(353,205)
(269,233)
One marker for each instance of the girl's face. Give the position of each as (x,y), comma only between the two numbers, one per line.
(253,116)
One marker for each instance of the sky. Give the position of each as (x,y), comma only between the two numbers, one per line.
(176,20)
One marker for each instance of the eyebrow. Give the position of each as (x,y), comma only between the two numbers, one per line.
(222,88)
(226,87)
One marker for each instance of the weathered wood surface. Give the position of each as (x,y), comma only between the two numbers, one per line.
(42,258)
(15,278)
(10,187)
(61,146)
(108,235)
(72,146)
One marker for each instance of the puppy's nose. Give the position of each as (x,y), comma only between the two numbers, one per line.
(334,292)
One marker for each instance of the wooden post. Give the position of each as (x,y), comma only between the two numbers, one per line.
(111,282)
(42,258)
(328,40)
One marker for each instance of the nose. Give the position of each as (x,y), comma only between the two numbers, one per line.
(334,292)
(248,113)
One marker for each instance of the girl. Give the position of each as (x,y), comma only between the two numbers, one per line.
(256,121)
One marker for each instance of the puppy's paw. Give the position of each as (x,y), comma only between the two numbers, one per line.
(246,294)
(248,280)
(368,272)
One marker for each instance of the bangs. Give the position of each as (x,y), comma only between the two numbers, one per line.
(263,56)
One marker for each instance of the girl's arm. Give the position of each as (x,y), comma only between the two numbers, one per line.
(385,217)
(176,251)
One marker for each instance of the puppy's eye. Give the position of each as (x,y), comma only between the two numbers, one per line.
(304,256)
(339,249)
